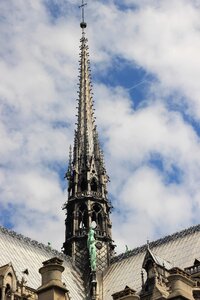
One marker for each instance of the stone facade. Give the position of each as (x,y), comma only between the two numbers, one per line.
(11,288)
(163,283)
(52,286)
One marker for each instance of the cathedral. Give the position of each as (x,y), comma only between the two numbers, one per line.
(87,268)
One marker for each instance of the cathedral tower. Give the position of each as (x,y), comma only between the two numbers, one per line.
(87,203)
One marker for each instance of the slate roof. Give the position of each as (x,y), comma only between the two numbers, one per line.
(24,253)
(180,249)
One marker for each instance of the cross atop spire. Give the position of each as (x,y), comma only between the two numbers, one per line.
(83,24)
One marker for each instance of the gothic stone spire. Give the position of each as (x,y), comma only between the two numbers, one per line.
(87,180)
(89,173)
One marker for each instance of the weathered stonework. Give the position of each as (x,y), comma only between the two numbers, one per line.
(52,287)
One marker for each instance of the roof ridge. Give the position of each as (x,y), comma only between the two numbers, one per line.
(34,243)
(156,243)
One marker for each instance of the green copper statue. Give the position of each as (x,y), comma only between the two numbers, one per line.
(92,248)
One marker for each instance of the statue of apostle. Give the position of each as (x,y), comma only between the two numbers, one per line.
(92,248)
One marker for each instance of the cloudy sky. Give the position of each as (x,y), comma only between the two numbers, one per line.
(146,78)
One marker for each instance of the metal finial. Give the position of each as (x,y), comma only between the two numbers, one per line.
(82,6)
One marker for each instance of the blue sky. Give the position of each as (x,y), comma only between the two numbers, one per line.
(145,69)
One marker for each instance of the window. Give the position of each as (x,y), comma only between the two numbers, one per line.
(83,185)
(97,216)
(93,185)
(83,216)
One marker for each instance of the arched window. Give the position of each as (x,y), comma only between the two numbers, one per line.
(69,222)
(83,185)
(97,216)
(149,268)
(93,185)
(100,220)
(83,216)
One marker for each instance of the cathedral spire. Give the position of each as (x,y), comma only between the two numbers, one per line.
(87,179)
(88,158)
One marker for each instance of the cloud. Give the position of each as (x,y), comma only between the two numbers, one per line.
(36,95)
(153,157)
(151,207)
(161,36)
(135,134)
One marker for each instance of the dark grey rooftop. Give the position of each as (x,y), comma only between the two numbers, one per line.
(25,253)
(180,249)
(165,239)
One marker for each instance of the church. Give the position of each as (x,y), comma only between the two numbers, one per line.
(87,268)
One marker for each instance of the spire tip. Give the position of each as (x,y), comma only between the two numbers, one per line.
(83,24)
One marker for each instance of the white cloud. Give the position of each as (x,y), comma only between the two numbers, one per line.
(161,36)
(152,208)
(153,202)
(38,68)
(136,134)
